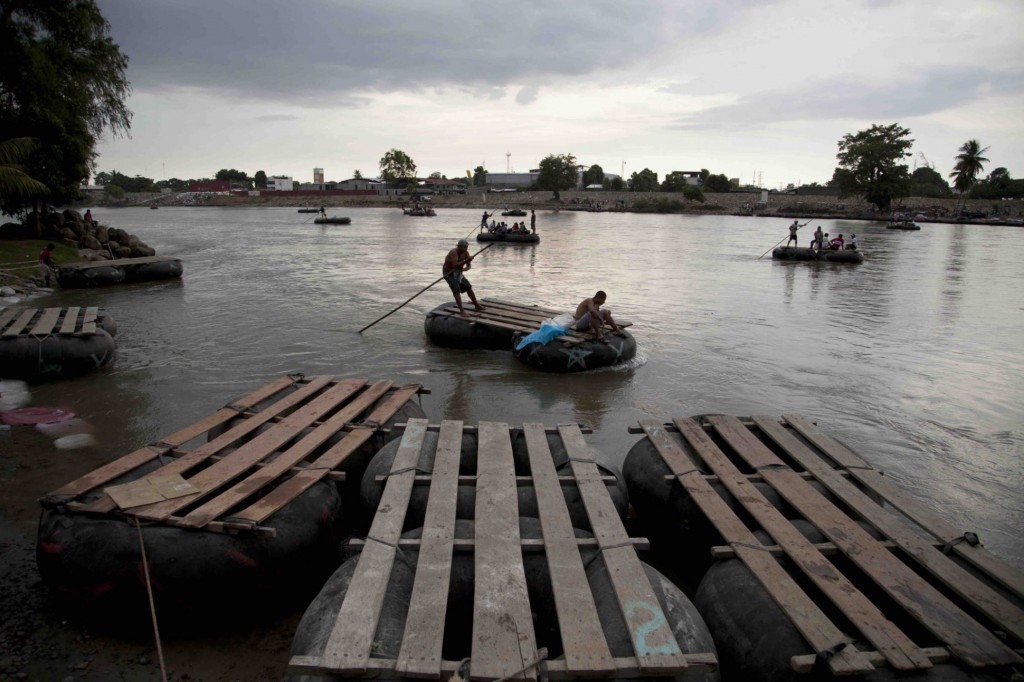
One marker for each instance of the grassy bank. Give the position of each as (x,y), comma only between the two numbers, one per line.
(19,259)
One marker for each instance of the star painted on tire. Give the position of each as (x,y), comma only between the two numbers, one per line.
(577,356)
(618,351)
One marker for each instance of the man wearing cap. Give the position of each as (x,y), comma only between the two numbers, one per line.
(455,263)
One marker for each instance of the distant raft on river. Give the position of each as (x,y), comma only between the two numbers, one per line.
(825,255)
(122,270)
(510,237)
(333,220)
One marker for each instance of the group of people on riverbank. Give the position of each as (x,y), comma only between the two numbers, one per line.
(821,242)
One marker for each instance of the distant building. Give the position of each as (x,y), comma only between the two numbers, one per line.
(318,176)
(209,186)
(517,180)
(692,177)
(361,184)
(91,189)
(280,183)
(442,185)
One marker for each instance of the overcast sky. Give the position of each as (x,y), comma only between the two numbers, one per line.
(736,86)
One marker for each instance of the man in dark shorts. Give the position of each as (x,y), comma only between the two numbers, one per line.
(590,317)
(455,263)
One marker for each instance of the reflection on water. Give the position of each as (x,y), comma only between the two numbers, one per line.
(913,358)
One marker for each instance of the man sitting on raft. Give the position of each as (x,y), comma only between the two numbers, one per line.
(455,263)
(589,316)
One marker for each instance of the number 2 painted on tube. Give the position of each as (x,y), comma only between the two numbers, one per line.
(655,621)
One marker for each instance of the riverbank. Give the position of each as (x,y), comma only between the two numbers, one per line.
(732,203)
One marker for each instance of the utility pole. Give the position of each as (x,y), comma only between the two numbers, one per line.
(508,157)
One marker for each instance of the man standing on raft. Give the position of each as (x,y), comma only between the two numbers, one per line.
(589,316)
(792,232)
(455,263)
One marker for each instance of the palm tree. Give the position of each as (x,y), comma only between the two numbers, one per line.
(969,164)
(14,182)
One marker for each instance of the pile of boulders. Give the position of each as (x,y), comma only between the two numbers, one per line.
(69,227)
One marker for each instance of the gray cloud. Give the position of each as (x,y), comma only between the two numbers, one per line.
(844,97)
(318,50)
(274,118)
(528,94)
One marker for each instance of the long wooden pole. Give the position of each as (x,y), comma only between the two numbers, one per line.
(779,242)
(416,294)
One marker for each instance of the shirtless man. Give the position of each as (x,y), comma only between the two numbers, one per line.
(455,263)
(589,316)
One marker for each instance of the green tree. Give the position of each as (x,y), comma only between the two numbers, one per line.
(435,175)
(260,180)
(176,184)
(232,175)
(593,176)
(644,181)
(969,163)
(396,165)
(717,183)
(674,182)
(557,174)
(62,82)
(479,176)
(357,174)
(114,192)
(869,165)
(693,193)
(618,184)
(15,184)
(927,182)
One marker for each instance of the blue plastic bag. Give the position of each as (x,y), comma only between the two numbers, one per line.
(548,332)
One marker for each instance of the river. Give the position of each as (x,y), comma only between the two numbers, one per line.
(915,358)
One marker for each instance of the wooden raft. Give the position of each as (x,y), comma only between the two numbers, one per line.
(518,317)
(499,649)
(117,262)
(960,611)
(228,484)
(42,322)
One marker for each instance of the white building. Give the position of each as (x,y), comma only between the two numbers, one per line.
(318,176)
(280,183)
(512,179)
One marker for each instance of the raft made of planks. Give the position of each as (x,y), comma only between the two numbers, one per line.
(228,483)
(976,624)
(517,317)
(39,322)
(120,270)
(503,641)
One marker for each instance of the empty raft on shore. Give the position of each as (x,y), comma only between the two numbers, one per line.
(244,502)
(54,343)
(333,220)
(814,577)
(499,595)
(823,255)
(508,237)
(123,270)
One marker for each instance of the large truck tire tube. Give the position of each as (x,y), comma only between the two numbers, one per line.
(146,272)
(372,489)
(99,276)
(198,577)
(556,357)
(31,358)
(449,331)
(314,629)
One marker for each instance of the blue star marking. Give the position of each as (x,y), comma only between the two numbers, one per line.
(577,356)
(618,351)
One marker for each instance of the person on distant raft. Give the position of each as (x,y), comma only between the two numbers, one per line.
(837,243)
(792,232)
(590,317)
(483,221)
(46,263)
(533,221)
(817,238)
(852,244)
(323,212)
(457,262)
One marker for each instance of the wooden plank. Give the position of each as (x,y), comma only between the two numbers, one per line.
(1005,614)
(387,409)
(46,322)
(888,639)
(573,337)
(420,654)
(70,320)
(586,649)
(911,507)
(651,635)
(528,545)
(816,628)
(503,640)
(222,473)
(537,314)
(22,322)
(87,265)
(6,316)
(548,312)
(321,468)
(283,463)
(348,647)
(89,320)
(190,460)
(123,465)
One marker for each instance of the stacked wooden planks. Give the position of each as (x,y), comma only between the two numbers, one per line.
(280,431)
(518,317)
(977,625)
(502,639)
(37,322)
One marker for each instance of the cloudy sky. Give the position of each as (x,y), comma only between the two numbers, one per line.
(740,87)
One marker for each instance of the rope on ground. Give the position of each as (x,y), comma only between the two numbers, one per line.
(152,605)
